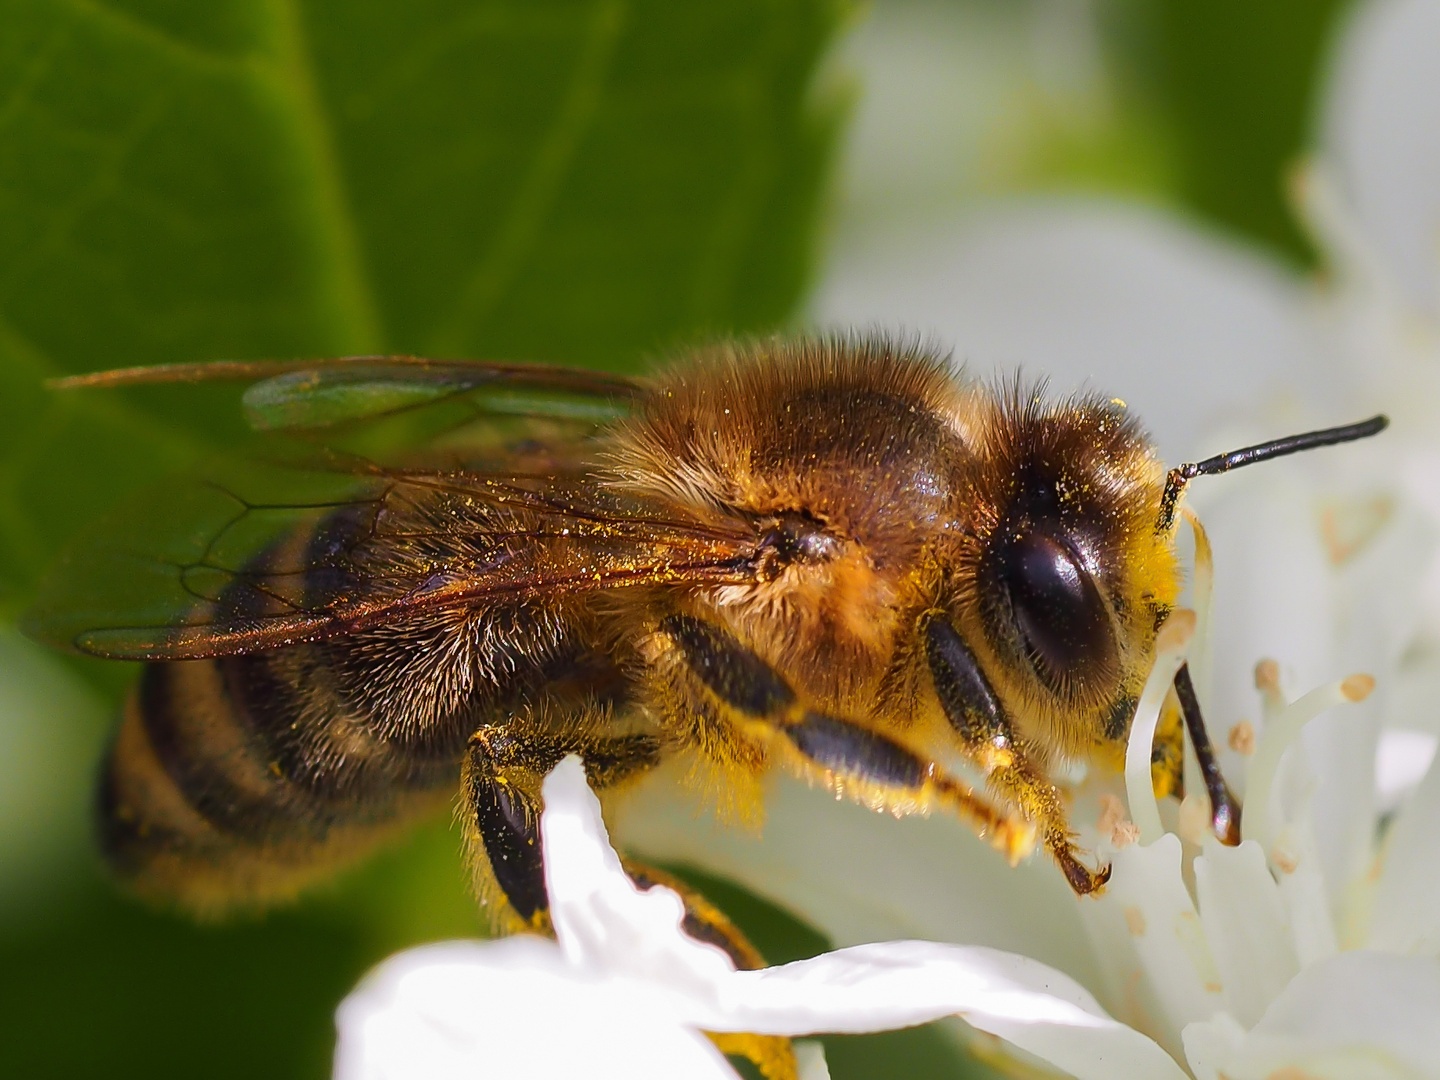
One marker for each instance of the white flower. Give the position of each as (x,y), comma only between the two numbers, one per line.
(1313,949)
(622,991)
(1242,973)
(1239,961)
(1325,562)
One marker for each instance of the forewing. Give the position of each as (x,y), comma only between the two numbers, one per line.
(257,557)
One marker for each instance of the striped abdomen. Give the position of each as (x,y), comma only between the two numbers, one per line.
(239,780)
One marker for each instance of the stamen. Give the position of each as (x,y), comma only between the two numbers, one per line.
(1272,698)
(1170,648)
(1242,738)
(1281,730)
(1195,816)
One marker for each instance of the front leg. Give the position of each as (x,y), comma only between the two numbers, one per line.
(990,741)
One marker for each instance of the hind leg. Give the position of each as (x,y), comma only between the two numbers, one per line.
(505,765)
(504,768)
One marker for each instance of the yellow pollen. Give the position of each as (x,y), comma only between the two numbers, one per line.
(1267,675)
(1357,687)
(1135,921)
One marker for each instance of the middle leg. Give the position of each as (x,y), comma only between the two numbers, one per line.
(991,742)
(731,706)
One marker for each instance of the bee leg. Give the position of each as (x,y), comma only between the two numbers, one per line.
(504,767)
(990,741)
(771,1054)
(751,713)
(866,767)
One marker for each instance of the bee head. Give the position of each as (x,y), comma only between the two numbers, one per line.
(1061,577)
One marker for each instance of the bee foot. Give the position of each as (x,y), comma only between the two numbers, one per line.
(1083,880)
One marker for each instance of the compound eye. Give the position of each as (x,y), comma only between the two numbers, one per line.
(1062,621)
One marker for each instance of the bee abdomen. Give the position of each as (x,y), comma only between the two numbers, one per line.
(231,782)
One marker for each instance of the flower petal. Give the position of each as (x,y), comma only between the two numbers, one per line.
(1406,913)
(899,983)
(1382,138)
(463,1009)
(861,876)
(1245,925)
(1358,1014)
(1208,1043)
(1149,936)
(603,922)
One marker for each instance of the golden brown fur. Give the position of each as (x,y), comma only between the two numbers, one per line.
(752,570)
(911,496)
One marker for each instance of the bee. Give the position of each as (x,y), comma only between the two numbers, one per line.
(833,557)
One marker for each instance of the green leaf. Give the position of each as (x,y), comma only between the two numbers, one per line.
(583,181)
(1240,81)
(577,181)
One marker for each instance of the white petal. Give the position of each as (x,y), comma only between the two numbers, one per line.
(461,1010)
(1097,292)
(1358,1014)
(860,876)
(1406,913)
(1246,926)
(1209,1043)
(1401,762)
(607,928)
(602,921)
(1382,138)
(900,983)
(1149,935)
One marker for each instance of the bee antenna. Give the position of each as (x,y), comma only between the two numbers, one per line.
(1291,444)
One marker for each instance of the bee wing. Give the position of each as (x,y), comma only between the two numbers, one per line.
(317,395)
(258,557)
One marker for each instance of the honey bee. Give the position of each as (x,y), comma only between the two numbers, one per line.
(832,557)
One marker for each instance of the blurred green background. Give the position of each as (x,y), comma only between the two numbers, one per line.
(586,182)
